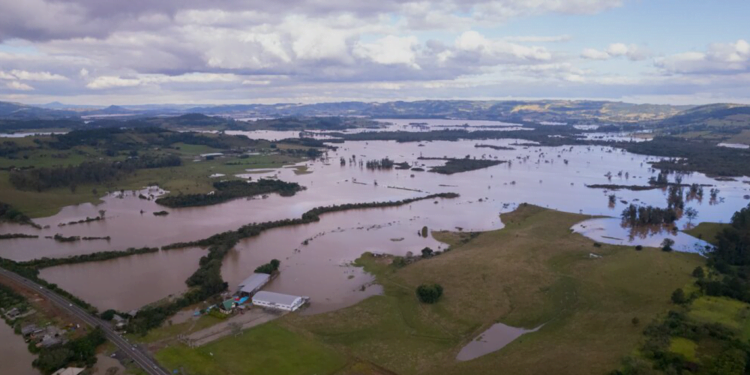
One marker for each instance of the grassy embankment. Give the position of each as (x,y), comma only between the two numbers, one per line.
(533,272)
(706,231)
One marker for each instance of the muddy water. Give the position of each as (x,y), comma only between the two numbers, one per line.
(15,358)
(128,283)
(491,340)
(536,175)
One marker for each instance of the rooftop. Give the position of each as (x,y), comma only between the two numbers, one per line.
(277,298)
(254,282)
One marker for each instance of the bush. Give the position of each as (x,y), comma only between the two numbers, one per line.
(108,315)
(678,296)
(639,247)
(698,272)
(399,262)
(269,267)
(667,244)
(429,293)
(426,252)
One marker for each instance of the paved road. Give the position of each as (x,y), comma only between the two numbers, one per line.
(136,353)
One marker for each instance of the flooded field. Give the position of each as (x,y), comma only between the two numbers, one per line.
(553,177)
(491,340)
(15,358)
(612,231)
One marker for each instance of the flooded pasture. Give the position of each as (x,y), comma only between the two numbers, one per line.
(14,353)
(553,177)
(491,340)
(612,231)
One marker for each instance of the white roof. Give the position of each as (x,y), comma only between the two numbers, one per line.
(69,371)
(254,282)
(275,298)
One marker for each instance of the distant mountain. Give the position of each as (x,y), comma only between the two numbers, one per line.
(725,115)
(20,111)
(565,111)
(536,111)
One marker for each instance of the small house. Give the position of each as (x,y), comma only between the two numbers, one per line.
(28,330)
(278,301)
(227,306)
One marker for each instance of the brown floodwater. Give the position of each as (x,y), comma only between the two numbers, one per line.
(491,340)
(128,283)
(15,358)
(554,177)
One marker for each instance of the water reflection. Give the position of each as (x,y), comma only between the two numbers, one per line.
(612,231)
(491,340)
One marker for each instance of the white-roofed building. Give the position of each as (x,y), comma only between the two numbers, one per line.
(278,301)
(69,371)
(253,283)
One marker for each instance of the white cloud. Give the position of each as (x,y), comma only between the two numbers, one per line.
(255,82)
(472,41)
(595,54)
(632,52)
(15,85)
(720,58)
(37,76)
(390,50)
(105,82)
(539,39)
(4,75)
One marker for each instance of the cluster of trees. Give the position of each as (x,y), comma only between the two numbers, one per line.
(693,155)
(80,352)
(228,190)
(463,165)
(205,282)
(675,198)
(118,139)
(83,258)
(543,135)
(648,215)
(10,236)
(269,267)
(494,147)
(728,276)
(9,298)
(89,172)
(384,163)
(730,359)
(429,293)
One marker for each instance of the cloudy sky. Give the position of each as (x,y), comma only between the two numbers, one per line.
(260,51)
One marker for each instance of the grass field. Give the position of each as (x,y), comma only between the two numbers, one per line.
(191,177)
(706,231)
(267,349)
(533,272)
(727,312)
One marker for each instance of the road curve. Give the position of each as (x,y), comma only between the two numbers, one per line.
(139,357)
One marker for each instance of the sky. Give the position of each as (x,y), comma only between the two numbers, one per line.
(102,52)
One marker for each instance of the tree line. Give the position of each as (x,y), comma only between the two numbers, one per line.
(648,215)
(83,258)
(89,172)
(228,190)
(207,281)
